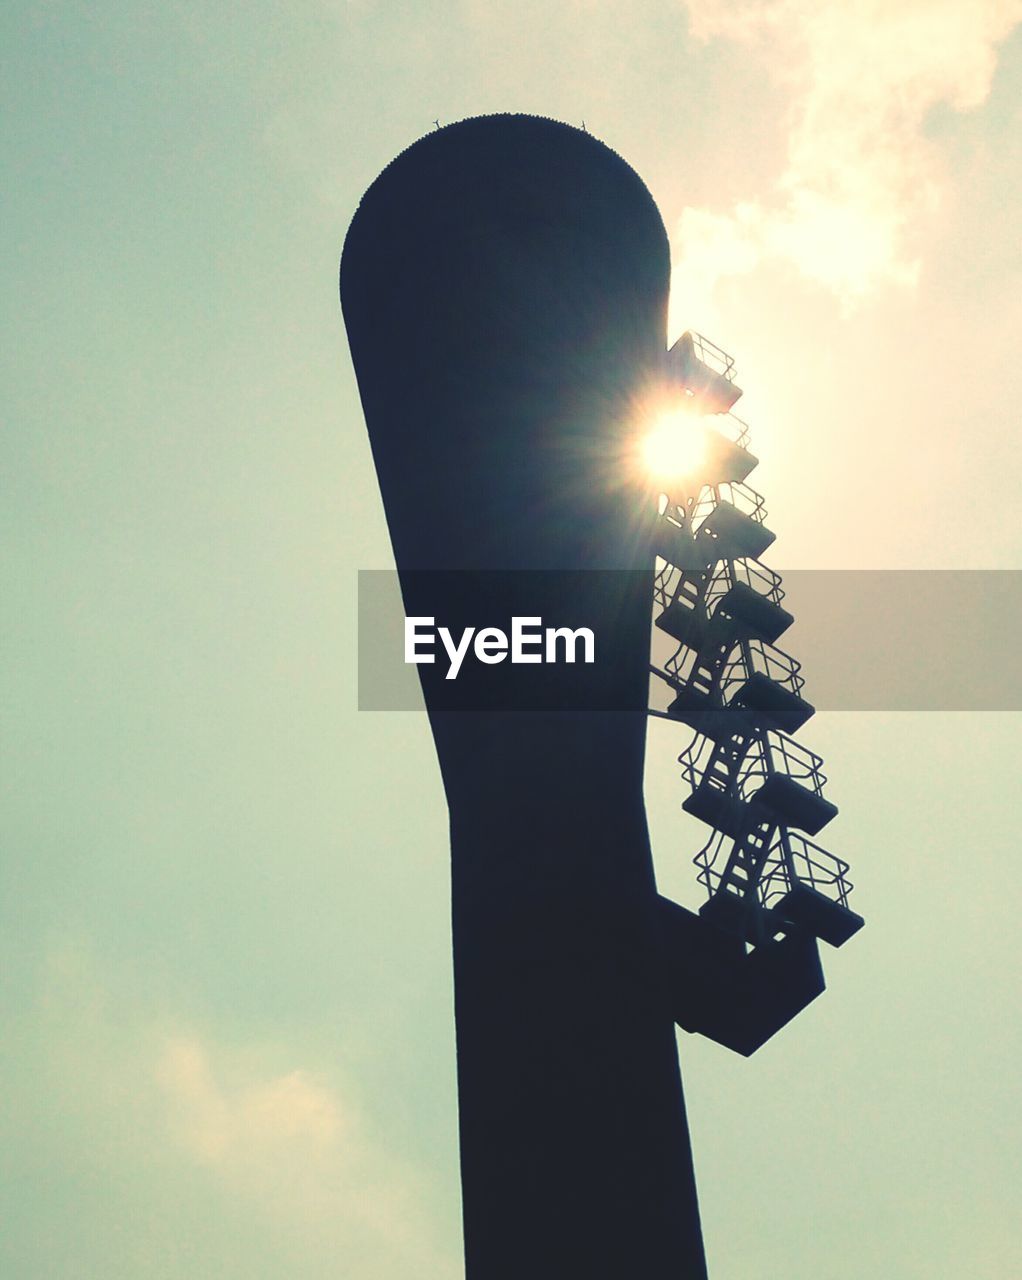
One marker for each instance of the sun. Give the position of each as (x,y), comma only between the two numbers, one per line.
(673,450)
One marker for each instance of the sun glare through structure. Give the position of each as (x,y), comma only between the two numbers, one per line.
(674,448)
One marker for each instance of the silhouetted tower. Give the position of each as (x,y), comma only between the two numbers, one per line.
(504,286)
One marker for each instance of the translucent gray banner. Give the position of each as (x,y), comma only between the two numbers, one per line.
(868,640)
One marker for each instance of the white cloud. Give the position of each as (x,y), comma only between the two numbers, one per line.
(257,1120)
(861,177)
(290,1145)
(285,1147)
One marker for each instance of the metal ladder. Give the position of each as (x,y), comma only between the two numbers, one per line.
(749,782)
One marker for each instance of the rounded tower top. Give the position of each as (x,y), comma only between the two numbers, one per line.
(504,285)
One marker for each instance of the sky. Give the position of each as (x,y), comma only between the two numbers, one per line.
(224,938)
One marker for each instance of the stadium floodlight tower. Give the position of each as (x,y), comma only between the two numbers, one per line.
(504,286)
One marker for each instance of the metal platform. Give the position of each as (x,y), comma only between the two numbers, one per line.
(738,998)
(772,893)
(703,372)
(773,703)
(751,614)
(794,804)
(734,533)
(807,908)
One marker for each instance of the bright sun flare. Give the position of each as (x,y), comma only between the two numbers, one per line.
(675,448)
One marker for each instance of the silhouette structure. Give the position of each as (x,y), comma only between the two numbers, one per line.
(749,962)
(504,286)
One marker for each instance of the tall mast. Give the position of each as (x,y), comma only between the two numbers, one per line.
(504,286)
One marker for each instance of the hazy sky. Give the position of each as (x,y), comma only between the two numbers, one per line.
(228,1040)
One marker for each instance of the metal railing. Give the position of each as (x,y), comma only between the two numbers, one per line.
(681,664)
(773,753)
(790,861)
(662,593)
(740,496)
(757,576)
(695,759)
(761,864)
(731,427)
(711,859)
(752,657)
(671,583)
(794,860)
(712,356)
